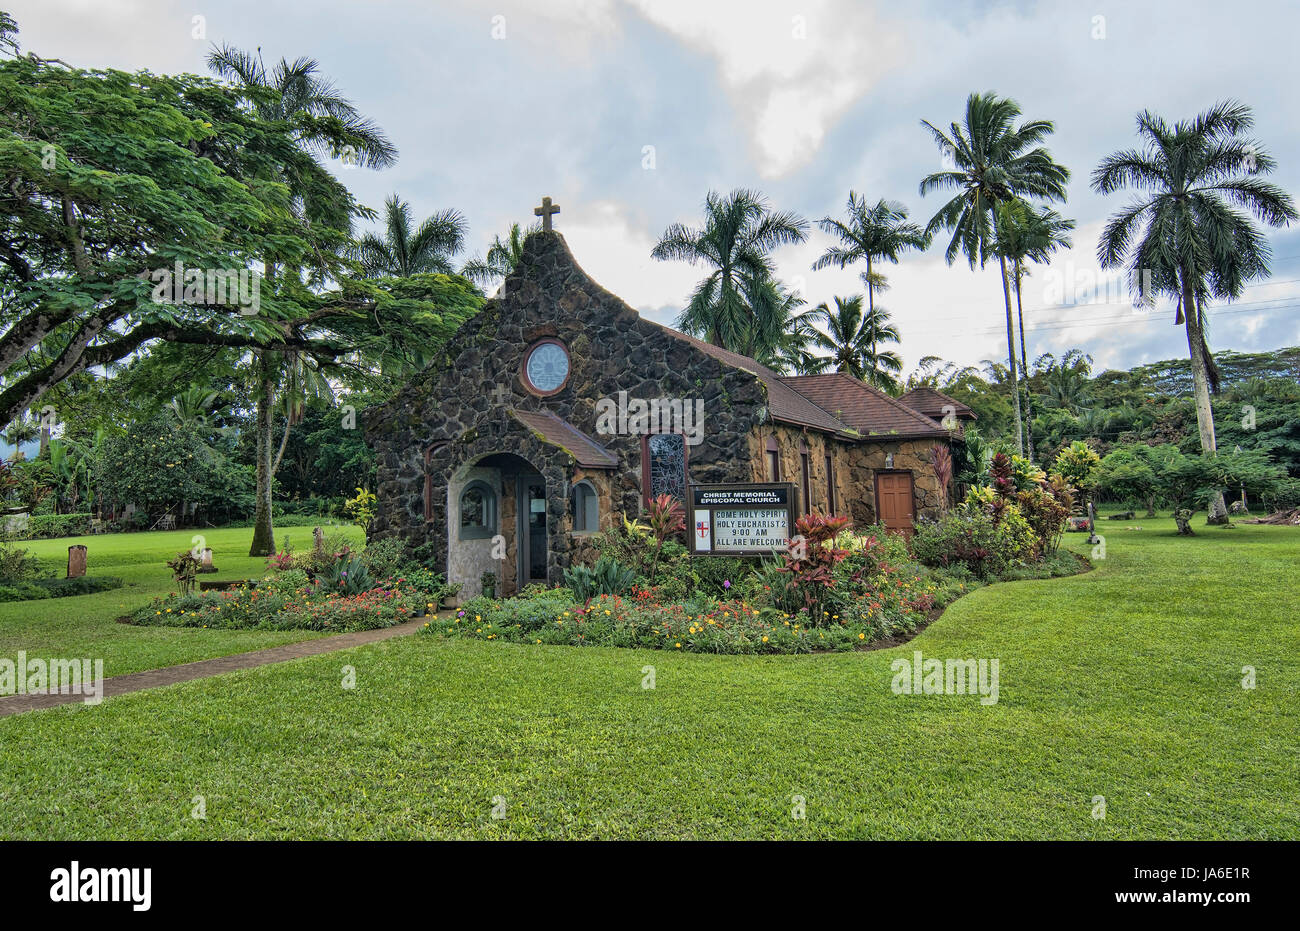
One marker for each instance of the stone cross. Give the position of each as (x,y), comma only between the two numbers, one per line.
(545,211)
(501,393)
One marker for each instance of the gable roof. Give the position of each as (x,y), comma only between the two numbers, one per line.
(932,401)
(866,409)
(784,403)
(585,451)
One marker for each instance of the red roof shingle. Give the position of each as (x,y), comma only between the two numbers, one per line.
(866,409)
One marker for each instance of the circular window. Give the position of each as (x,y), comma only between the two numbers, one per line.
(546,367)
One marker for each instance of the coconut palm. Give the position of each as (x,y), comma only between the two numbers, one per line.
(327,125)
(993,161)
(853,340)
(881,231)
(1025,233)
(402,252)
(502,256)
(735,243)
(1189,232)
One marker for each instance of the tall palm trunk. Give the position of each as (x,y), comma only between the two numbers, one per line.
(1024,367)
(263,534)
(1011,356)
(1218,511)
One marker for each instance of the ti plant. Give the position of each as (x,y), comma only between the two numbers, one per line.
(666,518)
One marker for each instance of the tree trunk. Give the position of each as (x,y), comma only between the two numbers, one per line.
(871,289)
(263,534)
(1024,368)
(1011,356)
(1218,511)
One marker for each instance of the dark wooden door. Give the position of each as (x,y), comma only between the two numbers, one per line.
(894,503)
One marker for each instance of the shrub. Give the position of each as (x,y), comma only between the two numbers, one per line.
(58,588)
(49,526)
(971,538)
(185,568)
(607,577)
(346,575)
(16,565)
(385,558)
(810,560)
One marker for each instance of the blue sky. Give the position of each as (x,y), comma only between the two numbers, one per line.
(494,104)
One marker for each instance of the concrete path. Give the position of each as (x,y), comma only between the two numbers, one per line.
(170,675)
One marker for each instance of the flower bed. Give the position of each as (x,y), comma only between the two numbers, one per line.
(290,600)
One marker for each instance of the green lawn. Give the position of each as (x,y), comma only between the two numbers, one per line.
(86,626)
(1123,683)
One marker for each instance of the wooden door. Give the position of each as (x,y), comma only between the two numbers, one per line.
(894,504)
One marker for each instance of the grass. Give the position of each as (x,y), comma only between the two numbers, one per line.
(85,625)
(1124,682)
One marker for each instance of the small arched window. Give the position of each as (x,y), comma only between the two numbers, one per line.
(586,508)
(478,511)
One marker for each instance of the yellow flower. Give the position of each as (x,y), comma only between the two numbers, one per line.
(862,636)
(679,646)
(765,638)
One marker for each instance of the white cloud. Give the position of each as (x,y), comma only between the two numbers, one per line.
(791,72)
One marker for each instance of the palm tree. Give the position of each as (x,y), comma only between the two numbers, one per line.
(502,256)
(1025,233)
(790,351)
(299,91)
(402,252)
(853,340)
(994,161)
(1184,233)
(878,232)
(734,302)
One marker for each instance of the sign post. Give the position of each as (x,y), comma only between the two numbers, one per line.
(741,520)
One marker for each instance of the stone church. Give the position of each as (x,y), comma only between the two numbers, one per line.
(502,458)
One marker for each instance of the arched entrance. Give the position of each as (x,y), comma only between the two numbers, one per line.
(498,523)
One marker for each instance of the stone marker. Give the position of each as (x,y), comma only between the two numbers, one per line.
(318,540)
(76,561)
(206,562)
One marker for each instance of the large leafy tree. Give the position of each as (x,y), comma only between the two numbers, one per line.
(1190,231)
(870,233)
(403,251)
(993,160)
(323,122)
(736,306)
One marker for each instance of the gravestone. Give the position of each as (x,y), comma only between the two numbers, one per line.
(206,561)
(318,540)
(76,561)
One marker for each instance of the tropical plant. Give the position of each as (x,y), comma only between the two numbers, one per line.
(1024,233)
(607,577)
(402,252)
(325,124)
(993,161)
(666,518)
(853,340)
(870,233)
(1186,234)
(185,568)
(502,256)
(735,306)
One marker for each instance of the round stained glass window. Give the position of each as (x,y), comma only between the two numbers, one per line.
(546,367)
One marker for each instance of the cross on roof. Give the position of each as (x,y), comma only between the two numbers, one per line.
(545,211)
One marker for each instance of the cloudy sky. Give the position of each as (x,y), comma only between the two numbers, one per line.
(494,103)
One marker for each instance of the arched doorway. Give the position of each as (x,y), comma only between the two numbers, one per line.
(498,523)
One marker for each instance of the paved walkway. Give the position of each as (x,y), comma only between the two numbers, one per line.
(170,675)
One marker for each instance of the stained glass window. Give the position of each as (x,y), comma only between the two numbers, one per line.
(667,453)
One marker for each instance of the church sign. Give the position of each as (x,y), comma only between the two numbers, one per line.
(741,520)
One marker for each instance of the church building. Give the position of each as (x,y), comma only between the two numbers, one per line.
(558,409)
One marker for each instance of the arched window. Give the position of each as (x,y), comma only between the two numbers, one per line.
(586,508)
(664,470)
(773,460)
(478,511)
